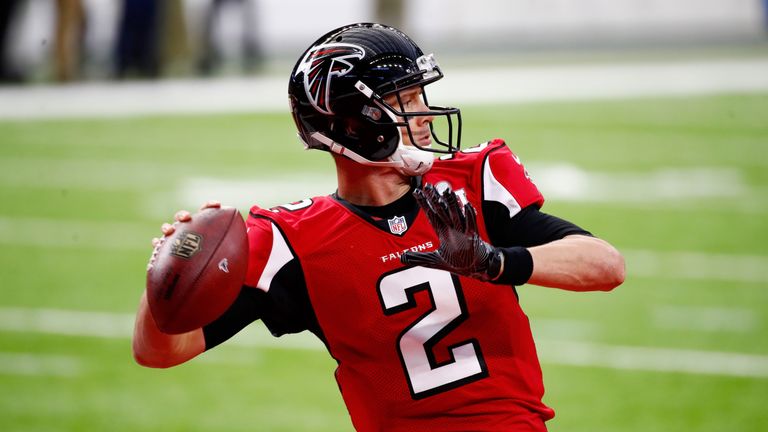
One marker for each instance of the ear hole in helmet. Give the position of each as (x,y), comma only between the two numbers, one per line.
(372,141)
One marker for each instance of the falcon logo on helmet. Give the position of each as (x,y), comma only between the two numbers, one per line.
(321,64)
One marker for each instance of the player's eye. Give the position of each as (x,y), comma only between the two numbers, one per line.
(411,100)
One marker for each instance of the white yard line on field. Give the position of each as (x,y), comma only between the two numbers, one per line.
(33,364)
(558,182)
(58,233)
(66,322)
(87,174)
(653,359)
(567,182)
(707,319)
(689,265)
(551,349)
(460,87)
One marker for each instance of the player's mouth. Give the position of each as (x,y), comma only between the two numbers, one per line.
(423,139)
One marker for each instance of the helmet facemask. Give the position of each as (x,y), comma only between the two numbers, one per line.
(413,159)
(446,127)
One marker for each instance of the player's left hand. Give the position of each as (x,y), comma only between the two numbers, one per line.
(168,229)
(461,249)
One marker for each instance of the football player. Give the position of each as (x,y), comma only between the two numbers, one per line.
(407,273)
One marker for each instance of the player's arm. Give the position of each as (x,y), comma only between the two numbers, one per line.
(153,348)
(562,255)
(575,262)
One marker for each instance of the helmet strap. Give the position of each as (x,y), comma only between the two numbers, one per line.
(408,160)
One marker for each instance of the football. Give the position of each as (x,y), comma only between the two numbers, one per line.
(198,270)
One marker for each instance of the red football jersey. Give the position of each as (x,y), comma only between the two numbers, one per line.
(418,349)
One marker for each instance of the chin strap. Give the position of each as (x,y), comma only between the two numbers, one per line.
(408,160)
(415,162)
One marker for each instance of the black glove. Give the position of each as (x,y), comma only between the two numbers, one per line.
(461,249)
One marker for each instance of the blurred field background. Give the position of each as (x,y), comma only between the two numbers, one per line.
(676,180)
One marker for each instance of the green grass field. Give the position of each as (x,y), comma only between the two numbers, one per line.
(681,346)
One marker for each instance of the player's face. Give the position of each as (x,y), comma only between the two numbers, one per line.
(413,101)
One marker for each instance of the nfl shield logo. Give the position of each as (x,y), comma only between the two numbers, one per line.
(397,225)
(186,245)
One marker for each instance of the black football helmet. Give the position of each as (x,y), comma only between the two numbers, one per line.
(337,91)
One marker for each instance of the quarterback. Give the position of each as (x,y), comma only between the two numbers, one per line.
(408,271)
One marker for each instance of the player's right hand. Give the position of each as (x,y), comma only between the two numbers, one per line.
(169,228)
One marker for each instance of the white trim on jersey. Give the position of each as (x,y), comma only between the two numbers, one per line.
(493,190)
(279,256)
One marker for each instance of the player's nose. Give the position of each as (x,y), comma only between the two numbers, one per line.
(423,120)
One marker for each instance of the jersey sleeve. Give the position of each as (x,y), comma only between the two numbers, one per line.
(506,181)
(511,203)
(268,251)
(254,301)
(275,269)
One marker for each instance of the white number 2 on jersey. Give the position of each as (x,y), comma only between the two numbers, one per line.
(426,377)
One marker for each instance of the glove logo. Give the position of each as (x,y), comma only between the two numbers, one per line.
(322,64)
(397,225)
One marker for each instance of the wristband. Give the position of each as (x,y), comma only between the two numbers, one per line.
(518,266)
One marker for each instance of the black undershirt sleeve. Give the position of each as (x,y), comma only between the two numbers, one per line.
(245,310)
(285,308)
(529,227)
